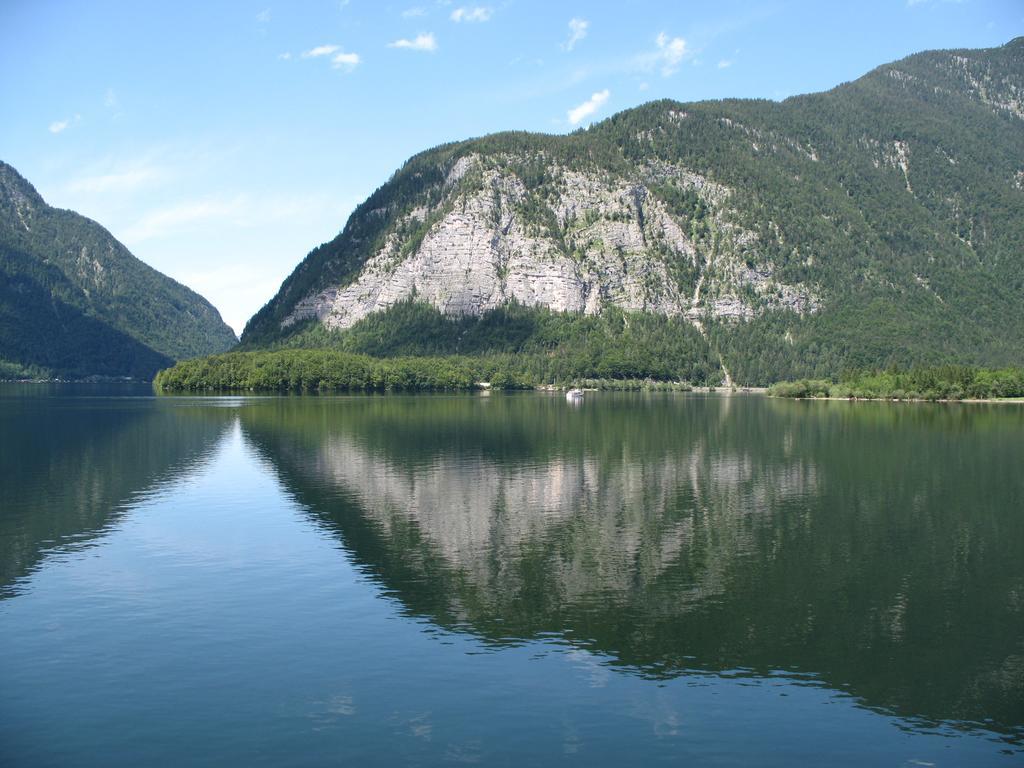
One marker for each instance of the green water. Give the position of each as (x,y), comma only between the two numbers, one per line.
(704,580)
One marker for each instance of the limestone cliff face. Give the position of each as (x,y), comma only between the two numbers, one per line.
(585,241)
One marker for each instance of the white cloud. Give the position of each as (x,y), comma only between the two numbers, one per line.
(58,125)
(412,13)
(724,64)
(340,59)
(577,31)
(171,219)
(320,50)
(347,61)
(672,51)
(422,42)
(284,56)
(668,54)
(110,187)
(123,180)
(471,14)
(588,107)
(263,16)
(241,211)
(110,99)
(644,86)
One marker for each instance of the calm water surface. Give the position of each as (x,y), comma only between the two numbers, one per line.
(508,580)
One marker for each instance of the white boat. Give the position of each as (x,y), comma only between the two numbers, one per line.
(574,395)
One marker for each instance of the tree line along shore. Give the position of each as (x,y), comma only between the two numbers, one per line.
(309,370)
(306,370)
(949,382)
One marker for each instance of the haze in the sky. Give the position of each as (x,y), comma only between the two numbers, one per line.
(223,141)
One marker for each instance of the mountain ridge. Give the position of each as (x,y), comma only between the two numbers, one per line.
(75,302)
(880,222)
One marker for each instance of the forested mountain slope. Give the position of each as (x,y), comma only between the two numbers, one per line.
(878,223)
(75,302)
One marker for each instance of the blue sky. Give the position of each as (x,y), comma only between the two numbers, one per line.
(222,141)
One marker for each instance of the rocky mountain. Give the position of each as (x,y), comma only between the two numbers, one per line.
(75,302)
(878,223)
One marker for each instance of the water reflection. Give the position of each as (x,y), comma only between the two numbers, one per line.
(874,549)
(69,465)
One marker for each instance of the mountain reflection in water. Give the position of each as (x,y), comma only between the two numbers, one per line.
(385,580)
(71,466)
(871,548)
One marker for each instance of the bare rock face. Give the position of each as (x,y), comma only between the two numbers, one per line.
(457,504)
(19,200)
(584,242)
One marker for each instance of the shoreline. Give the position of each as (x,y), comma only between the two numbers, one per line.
(979,400)
(98,380)
(674,387)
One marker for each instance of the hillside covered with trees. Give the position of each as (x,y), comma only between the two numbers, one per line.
(74,302)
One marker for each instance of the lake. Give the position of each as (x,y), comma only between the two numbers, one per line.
(508,580)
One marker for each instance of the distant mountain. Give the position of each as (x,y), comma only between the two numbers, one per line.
(74,302)
(878,223)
